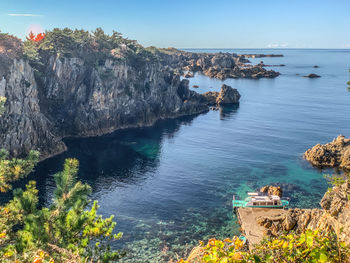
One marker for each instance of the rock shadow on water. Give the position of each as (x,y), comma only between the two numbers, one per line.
(121,158)
(228,111)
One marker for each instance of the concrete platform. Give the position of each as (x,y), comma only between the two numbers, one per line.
(247,219)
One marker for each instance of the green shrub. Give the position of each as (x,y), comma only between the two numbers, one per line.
(66,231)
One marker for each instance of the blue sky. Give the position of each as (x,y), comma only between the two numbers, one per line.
(192,23)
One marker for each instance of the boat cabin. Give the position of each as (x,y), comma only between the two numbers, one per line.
(262,200)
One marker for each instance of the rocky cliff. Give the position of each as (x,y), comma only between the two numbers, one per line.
(70,96)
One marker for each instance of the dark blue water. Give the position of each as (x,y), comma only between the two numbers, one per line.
(171,184)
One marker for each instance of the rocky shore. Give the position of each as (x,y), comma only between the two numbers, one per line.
(334,217)
(335,154)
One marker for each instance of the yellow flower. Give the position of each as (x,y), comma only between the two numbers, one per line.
(17,170)
(238,256)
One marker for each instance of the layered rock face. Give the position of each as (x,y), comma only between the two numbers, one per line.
(72,98)
(24,127)
(333,217)
(333,154)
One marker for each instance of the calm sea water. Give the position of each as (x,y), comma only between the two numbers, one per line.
(171,184)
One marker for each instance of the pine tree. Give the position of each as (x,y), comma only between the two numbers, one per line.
(67,231)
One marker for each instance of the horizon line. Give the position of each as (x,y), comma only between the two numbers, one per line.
(228,48)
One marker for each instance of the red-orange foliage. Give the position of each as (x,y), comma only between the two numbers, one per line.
(36,38)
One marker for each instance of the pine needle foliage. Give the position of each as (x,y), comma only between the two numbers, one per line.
(67,231)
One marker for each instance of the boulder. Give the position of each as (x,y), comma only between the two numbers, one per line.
(228,95)
(334,154)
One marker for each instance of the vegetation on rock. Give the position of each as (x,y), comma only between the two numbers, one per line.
(94,47)
(2,105)
(310,246)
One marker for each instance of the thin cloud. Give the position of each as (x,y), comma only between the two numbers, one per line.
(277,45)
(23,15)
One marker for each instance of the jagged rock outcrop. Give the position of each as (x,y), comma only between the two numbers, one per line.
(216,65)
(333,217)
(333,154)
(272,190)
(227,95)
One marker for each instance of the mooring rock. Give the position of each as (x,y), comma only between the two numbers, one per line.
(272,190)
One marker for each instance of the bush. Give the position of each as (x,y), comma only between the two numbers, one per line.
(310,246)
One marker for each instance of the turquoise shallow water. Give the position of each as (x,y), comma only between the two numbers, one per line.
(171,184)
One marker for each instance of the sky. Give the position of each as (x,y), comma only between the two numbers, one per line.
(191,23)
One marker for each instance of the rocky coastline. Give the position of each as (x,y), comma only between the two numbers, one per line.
(334,214)
(55,95)
(74,96)
(333,217)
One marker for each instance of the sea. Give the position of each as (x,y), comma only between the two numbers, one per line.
(171,185)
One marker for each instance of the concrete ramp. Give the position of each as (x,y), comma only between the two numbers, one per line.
(247,219)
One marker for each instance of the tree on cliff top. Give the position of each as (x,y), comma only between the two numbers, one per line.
(94,47)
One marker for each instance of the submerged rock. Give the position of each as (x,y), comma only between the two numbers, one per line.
(312,76)
(334,154)
(272,190)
